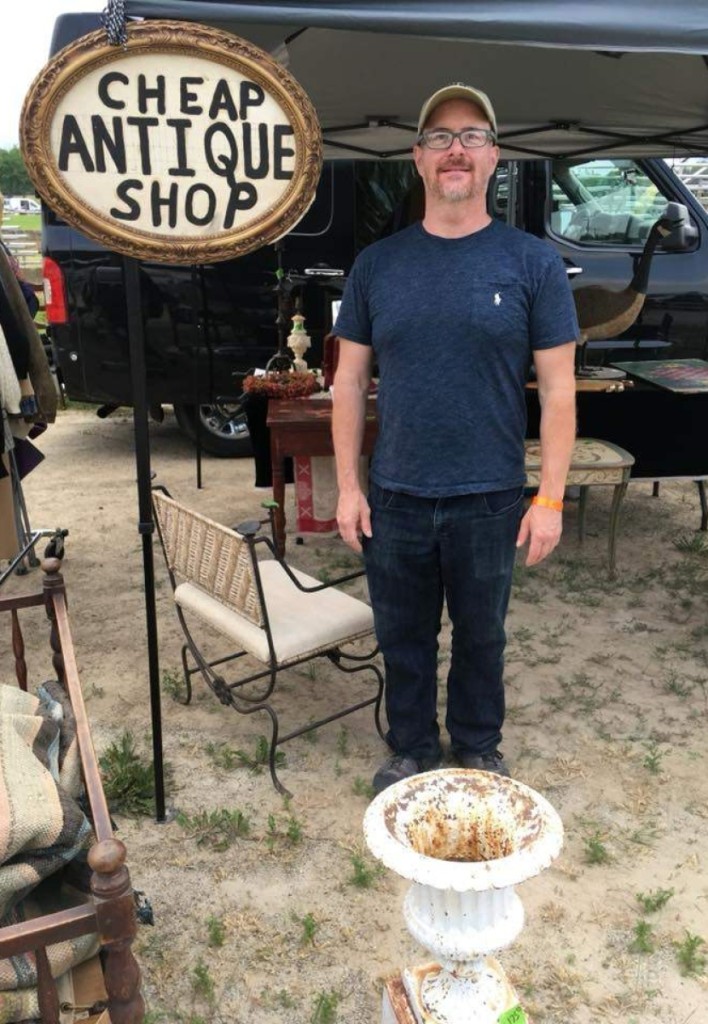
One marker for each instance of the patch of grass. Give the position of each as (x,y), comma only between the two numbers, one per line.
(595,850)
(363,875)
(228,759)
(284,1000)
(654,900)
(690,956)
(173,685)
(309,929)
(203,983)
(293,832)
(325,1011)
(691,544)
(343,742)
(216,932)
(128,779)
(653,758)
(217,829)
(679,687)
(361,787)
(643,941)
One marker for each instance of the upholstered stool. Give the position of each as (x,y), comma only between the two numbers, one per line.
(593,463)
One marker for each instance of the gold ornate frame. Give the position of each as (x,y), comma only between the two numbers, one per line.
(92,51)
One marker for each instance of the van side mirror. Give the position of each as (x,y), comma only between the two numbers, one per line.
(682,234)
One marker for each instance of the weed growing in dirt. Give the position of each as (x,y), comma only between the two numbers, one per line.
(216,932)
(691,544)
(360,787)
(217,829)
(309,929)
(643,941)
(689,953)
(128,779)
(653,758)
(173,685)
(343,742)
(363,876)
(654,900)
(325,1011)
(278,1000)
(293,833)
(203,983)
(595,850)
(228,759)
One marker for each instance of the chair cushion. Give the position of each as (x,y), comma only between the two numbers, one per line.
(301,624)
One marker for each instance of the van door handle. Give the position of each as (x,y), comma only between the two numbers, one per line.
(323,272)
(570,268)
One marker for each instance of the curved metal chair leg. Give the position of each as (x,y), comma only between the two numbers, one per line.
(187,676)
(273,750)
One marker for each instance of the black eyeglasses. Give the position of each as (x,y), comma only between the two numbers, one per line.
(471,138)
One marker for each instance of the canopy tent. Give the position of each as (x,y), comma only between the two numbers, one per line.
(566,79)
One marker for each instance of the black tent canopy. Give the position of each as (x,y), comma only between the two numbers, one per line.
(566,79)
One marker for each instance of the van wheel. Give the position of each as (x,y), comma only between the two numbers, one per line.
(223,427)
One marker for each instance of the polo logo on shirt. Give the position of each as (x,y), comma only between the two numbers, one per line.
(497,299)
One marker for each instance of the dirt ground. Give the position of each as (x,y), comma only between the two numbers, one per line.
(607,686)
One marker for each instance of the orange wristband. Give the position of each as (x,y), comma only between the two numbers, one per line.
(557,506)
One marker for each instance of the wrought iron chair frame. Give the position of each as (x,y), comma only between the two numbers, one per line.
(231,694)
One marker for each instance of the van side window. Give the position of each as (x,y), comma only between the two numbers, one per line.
(603,202)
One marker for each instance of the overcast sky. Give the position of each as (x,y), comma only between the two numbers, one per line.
(26,33)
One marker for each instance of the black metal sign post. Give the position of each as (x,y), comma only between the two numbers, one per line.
(146,525)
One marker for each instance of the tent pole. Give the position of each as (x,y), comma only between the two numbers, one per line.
(146,526)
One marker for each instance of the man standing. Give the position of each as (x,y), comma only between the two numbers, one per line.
(453,309)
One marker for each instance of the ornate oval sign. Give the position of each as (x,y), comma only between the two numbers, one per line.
(188,145)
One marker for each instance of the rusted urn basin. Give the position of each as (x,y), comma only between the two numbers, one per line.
(464,839)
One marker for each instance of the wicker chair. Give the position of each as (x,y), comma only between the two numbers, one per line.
(271,612)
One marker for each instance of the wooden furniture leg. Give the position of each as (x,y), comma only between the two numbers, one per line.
(278,476)
(617,498)
(115,912)
(582,509)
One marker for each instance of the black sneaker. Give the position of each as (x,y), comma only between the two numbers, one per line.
(401,766)
(492,762)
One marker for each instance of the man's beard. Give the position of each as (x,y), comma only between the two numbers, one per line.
(454,193)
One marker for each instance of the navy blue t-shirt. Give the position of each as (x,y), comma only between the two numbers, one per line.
(453,322)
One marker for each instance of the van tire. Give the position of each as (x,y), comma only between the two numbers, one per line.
(223,428)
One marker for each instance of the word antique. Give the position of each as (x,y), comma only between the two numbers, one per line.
(157,161)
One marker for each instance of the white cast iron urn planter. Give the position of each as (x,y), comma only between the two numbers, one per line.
(464,839)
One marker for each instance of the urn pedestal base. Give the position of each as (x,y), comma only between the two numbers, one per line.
(402,1002)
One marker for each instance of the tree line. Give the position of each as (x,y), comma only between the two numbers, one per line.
(14,179)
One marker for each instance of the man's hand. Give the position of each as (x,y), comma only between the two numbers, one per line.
(353,518)
(542,528)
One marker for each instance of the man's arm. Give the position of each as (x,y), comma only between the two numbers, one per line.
(555,373)
(351,385)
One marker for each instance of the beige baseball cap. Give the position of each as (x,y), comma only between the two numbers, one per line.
(458,91)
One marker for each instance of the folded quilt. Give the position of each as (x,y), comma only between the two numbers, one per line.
(42,828)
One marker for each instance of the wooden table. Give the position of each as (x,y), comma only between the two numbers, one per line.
(303,426)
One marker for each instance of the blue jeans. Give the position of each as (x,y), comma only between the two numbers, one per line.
(423,550)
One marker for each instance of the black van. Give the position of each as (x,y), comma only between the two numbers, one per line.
(206,327)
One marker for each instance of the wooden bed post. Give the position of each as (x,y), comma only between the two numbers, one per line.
(115,912)
(52,583)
